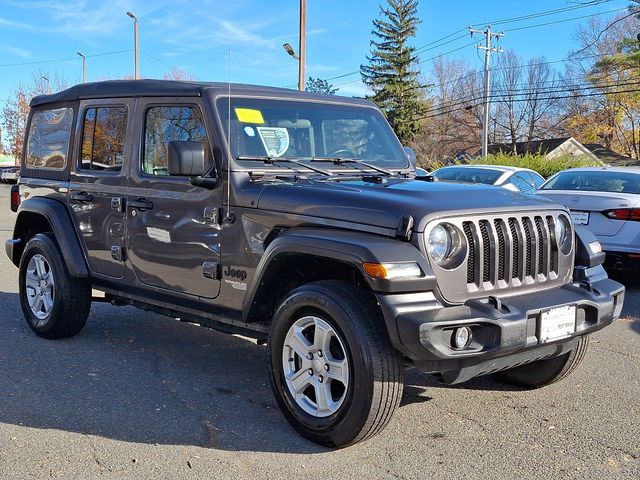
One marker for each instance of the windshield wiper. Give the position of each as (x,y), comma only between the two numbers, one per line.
(274,160)
(340,160)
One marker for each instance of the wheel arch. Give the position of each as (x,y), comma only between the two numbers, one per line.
(301,256)
(41,215)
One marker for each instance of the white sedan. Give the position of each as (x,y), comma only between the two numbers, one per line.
(513,178)
(607,201)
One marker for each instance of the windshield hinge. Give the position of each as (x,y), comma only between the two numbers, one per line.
(405,228)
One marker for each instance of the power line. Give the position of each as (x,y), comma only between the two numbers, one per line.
(572,90)
(38,62)
(555,22)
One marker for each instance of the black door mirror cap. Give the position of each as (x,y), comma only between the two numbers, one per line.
(186,159)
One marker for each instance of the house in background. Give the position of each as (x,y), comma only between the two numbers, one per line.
(557,147)
(551,148)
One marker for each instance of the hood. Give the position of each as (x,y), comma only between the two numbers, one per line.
(384,204)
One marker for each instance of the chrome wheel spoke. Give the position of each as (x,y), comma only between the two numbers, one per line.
(299,381)
(41,270)
(323,398)
(37,305)
(298,344)
(338,371)
(31,279)
(322,335)
(47,302)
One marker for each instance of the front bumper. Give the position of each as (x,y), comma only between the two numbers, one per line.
(506,332)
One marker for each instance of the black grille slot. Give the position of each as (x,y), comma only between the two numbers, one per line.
(541,242)
(471,261)
(486,251)
(527,246)
(516,249)
(553,261)
(501,248)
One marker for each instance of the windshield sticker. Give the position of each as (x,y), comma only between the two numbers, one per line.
(274,139)
(249,115)
(249,131)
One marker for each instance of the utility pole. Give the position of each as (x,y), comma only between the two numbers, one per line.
(303,44)
(84,67)
(135,43)
(489,35)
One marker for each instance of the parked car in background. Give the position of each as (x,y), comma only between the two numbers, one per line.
(512,178)
(607,201)
(10,174)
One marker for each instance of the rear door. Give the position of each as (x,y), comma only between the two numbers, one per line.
(173,232)
(98,182)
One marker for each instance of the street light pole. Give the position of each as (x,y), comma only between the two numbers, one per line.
(135,42)
(84,67)
(303,45)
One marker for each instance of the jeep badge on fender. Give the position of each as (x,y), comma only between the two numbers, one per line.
(297,219)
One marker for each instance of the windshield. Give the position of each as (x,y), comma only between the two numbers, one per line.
(287,129)
(595,181)
(467,174)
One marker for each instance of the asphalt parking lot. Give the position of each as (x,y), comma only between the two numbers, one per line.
(140,396)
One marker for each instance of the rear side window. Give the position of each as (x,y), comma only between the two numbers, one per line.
(167,124)
(49,134)
(103,135)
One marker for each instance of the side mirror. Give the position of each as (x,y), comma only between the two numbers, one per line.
(186,159)
(411,155)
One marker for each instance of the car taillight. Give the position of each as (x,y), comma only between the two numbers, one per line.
(632,214)
(15,198)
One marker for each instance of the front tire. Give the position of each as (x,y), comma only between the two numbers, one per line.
(55,304)
(545,372)
(333,370)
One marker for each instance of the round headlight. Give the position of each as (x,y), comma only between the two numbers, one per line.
(563,234)
(439,243)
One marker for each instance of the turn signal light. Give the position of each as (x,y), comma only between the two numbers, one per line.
(632,214)
(392,270)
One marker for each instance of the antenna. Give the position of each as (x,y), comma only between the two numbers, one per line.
(229,142)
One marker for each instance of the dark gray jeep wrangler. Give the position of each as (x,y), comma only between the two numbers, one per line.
(297,220)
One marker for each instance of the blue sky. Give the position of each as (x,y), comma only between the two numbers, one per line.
(195,36)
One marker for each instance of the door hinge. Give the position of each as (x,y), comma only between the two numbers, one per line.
(117,253)
(212,215)
(117,204)
(211,270)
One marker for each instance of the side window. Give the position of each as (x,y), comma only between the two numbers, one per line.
(103,134)
(49,134)
(166,124)
(523,183)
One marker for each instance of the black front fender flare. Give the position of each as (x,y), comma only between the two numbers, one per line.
(58,217)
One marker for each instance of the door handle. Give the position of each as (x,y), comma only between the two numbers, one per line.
(82,197)
(141,204)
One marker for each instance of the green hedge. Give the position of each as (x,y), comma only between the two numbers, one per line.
(539,163)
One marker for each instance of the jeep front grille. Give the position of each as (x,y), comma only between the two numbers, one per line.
(505,253)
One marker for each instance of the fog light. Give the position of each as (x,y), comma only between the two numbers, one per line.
(461,338)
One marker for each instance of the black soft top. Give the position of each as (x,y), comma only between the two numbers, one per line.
(170,88)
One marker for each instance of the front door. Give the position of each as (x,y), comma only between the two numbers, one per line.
(98,183)
(173,230)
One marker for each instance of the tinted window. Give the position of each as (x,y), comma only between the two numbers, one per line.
(536,179)
(467,174)
(103,134)
(167,124)
(49,138)
(595,181)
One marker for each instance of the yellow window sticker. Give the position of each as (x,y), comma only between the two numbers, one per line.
(249,115)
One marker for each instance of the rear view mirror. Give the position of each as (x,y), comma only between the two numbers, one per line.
(186,159)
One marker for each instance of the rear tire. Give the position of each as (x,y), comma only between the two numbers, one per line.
(55,304)
(347,393)
(545,372)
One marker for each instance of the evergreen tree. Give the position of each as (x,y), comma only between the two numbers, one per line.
(319,85)
(391,72)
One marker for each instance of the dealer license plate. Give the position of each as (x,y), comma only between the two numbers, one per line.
(557,323)
(580,218)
